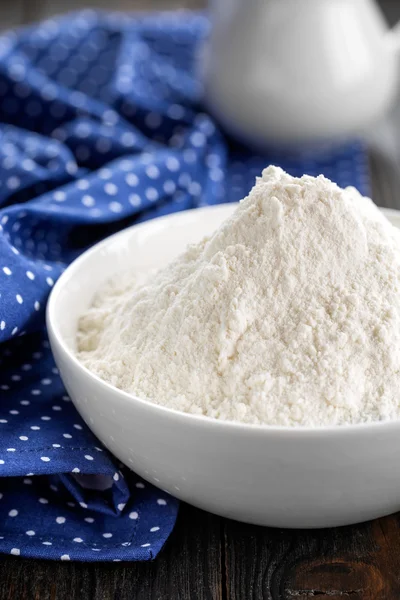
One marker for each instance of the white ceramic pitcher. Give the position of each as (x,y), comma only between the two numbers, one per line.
(287,71)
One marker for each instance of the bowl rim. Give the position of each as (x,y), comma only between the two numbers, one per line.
(51,323)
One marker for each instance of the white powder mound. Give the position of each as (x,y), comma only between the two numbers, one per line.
(289,314)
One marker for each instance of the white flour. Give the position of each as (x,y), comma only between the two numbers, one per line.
(288,315)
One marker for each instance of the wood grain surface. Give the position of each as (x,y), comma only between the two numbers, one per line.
(11,13)
(360,562)
(15,12)
(207,557)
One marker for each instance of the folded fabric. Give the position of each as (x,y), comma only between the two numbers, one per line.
(101,127)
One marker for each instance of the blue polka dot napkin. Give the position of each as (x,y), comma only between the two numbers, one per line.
(101,127)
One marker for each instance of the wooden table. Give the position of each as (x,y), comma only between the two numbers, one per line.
(211,558)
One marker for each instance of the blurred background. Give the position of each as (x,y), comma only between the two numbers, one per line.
(384,139)
(14,12)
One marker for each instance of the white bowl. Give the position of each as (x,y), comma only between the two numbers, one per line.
(277,476)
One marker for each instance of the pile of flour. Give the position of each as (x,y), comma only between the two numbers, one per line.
(289,314)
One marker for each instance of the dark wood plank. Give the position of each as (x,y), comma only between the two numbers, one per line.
(188,567)
(361,562)
(11,13)
(52,7)
(385,179)
(391,10)
(38,9)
